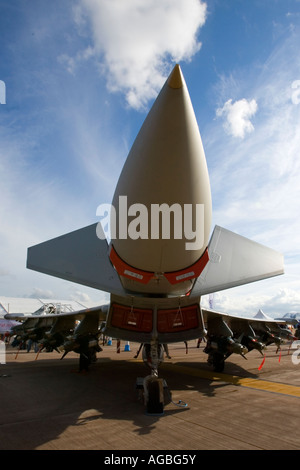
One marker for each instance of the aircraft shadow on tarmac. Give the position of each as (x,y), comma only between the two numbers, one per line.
(56,397)
(205,385)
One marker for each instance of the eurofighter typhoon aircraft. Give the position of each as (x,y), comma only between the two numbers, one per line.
(157,272)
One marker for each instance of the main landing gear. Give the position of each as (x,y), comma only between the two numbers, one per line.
(217,360)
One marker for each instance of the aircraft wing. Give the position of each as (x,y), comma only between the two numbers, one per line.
(235,260)
(64,331)
(80,257)
(235,323)
(228,334)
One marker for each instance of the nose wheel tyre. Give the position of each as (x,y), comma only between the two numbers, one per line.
(155,396)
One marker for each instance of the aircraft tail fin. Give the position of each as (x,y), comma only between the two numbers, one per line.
(235,260)
(3,309)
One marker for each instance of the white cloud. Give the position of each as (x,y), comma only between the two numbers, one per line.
(237,116)
(136,40)
(248,300)
(85,297)
(68,62)
(38,293)
(296,94)
(254,180)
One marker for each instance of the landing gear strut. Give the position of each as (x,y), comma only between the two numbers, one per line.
(152,386)
(154,390)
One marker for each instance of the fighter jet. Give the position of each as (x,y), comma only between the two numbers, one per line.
(162,254)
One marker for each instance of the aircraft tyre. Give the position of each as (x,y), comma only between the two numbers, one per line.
(155,403)
(218,362)
(84,362)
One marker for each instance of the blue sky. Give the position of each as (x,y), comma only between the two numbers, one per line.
(80,77)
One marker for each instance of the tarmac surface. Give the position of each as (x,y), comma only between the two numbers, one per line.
(47,405)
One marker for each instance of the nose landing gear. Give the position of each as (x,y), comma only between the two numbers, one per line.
(154,390)
(152,387)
